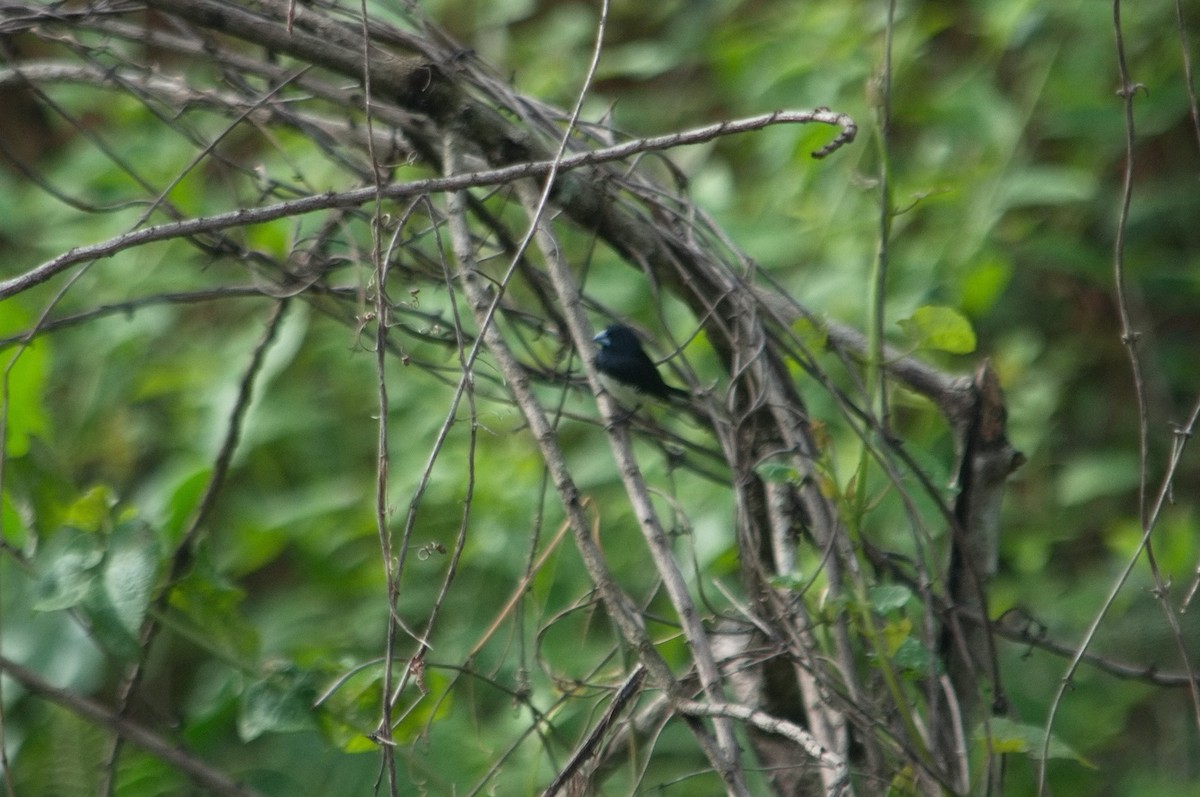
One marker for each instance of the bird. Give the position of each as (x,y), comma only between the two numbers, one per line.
(622,359)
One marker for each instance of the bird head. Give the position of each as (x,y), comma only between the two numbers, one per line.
(618,336)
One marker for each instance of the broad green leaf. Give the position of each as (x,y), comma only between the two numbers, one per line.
(71,751)
(913,657)
(91,510)
(26,406)
(1009,736)
(280,703)
(118,601)
(939,328)
(130,572)
(888,597)
(182,498)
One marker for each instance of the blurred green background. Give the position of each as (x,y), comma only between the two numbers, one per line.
(1006,163)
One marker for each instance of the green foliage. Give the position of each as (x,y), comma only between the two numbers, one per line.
(1005,163)
(886,598)
(26,377)
(939,329)
(1007,736)
(65,755)
(279,703)
(109,575)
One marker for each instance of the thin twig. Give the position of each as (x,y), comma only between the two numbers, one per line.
(1129,337)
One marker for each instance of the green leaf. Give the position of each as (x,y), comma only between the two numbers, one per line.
(940,328)
(911,656)
(131,572)
(777,473)
(118,601)
(983,283)
(209,608)
(813,335)
(91,510)
(280,703)
(895,634)
(1008,736)
(62,753)
(13,525)
(68,571)
(26,403)
(183,496)
(904,784)
(888,597)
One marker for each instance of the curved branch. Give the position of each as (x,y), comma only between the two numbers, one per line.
(244,217)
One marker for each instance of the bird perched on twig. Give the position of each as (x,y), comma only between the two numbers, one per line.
(622,359)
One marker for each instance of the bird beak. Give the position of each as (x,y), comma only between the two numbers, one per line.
(601,337)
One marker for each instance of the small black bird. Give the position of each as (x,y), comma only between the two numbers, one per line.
(622,358)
